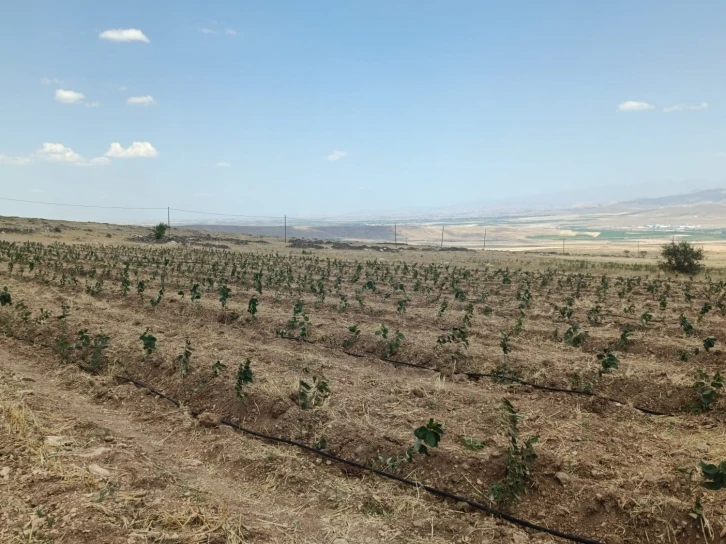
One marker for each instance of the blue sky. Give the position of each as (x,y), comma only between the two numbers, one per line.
(328,108)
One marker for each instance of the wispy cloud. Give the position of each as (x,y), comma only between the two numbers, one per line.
(48,81)
(337,155)
(124,35)
(123,88)
(135,150)
(230,31)
(68,97)
(146,100)
(634,105)
(207,31)
(93,104)
(686,107)
(16,161)
(223,164)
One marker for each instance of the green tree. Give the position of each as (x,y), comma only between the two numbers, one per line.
(682,257)
(159,231)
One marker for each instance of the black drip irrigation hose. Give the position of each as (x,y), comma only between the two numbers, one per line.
(478,375)
(432,490)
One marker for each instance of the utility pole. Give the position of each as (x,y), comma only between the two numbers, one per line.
(285,228)
(395,236)
(168,218)
(442,236)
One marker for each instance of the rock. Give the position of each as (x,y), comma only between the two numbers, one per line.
(5,472)
(703,447)
(208,419)
(56,441)
(562,477)
(192,462)
(108,438)
(418,392)
(98,471)
(94,453)
(421,523)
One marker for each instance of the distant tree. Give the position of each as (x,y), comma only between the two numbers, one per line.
(159,231)
(681,257)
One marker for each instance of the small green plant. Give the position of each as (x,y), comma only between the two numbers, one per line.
(519,460)
(704,310)
(442,308)
(194,293)
(646,317)
(393,345)
(624,340)
(707,389)
(426,436)
(354,335)
(574,337)
(224,293)
(504,342)
(311,395)
(714,476)
(472,443)
(299,325)
(244,377)
(686,325)
(252,307)
(709,342)
(608,361)
(184,358)
(382,331)
(149,342)
(5,298)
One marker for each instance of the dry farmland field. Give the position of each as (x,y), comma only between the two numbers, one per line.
(578,395)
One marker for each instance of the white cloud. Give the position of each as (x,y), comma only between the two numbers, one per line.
(686,107)
(93,104)
(135,150)
(58,153)
(634,105)
(124,35)
(223,164)
(230,31)
(208,31)
(55,152)
(146,100)
(17,161)
(68,97)
(337,155)
(48,81)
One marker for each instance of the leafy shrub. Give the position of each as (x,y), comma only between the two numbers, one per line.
(681,257)
(709,342)
(159,231)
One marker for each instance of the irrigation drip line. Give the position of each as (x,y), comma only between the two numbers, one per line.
(432,490)
(478,375)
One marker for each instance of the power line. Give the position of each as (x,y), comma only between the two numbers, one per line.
(229,214)
(78,205)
